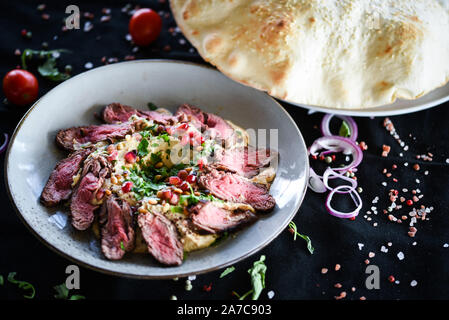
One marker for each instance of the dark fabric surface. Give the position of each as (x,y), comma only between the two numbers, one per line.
(292,272)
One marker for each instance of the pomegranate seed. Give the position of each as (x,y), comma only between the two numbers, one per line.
(333,157)
(391,278)
(174,199)
(321,158)
(23,32)
(191,178)
(202,140)
(352,218)
(183,174)
(183,126)
(314,157)
(174,180)
(409,202)
(166,194)
(200,164)
(130,157)
(127,186)
(184,186)
(191,134)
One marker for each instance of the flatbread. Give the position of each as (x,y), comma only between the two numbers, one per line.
(348,54)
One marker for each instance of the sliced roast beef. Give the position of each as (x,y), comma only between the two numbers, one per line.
(96,170)
(245,161)
(193,114)
(59,185)
(69,138)
(209,217)
(162,238)
(117,234)
(232,187)
(116,113)
(213,125)
(218,127)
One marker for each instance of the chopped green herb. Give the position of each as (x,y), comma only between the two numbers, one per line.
(227,271)
(142,148)
(122,246)
(77,297)
(155,157)
(154,145)
(22,285)
(294,229)
(344,130)
(222,238)
(177,209)
(143,186)
(151,106)
(2,281)
(165,137)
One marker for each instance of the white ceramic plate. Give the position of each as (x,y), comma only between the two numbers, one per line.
(432,99)
(32,155)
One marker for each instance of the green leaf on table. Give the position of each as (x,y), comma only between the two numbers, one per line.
(22,285)
(61,292)
(227,271)
(49,71)
(257,273)
(344,131)
(294,230)
(2,281)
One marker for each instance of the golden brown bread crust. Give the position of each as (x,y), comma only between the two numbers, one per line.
(345,54)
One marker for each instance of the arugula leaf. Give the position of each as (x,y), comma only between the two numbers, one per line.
(142,148)
(151,106)
(344,131)
(22,285)
(227,271)
(294,229)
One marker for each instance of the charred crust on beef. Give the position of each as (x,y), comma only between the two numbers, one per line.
(96,170)
(68,138)
(117,232)
(211,218)
(162,238)
(59,185)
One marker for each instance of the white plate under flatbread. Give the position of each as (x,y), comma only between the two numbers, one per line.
(338,54)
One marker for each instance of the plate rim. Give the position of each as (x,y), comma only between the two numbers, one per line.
(90,266)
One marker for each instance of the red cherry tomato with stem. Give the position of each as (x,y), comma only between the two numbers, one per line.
(145,26)
(20,87)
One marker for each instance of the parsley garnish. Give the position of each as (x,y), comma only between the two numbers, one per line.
(294,229)
(177,209)
(122,246)
(142,183)
(22,285)
(142,148)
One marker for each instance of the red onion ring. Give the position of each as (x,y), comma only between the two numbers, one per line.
(344,215)
(315,182)
(351,123)
(338,144)
(331,173)
(5,143)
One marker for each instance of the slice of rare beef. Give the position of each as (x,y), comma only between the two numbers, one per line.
(162,238)
(217,127)
(96,170)
(212,218)
(245,161)
(59,184)
(232,187)
(69,138)
(192,114)
(117,234)
(116,113)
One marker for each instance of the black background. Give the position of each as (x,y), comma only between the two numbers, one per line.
(292,272)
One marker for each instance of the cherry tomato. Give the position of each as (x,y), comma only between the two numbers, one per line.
(145,26)
(20,87)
